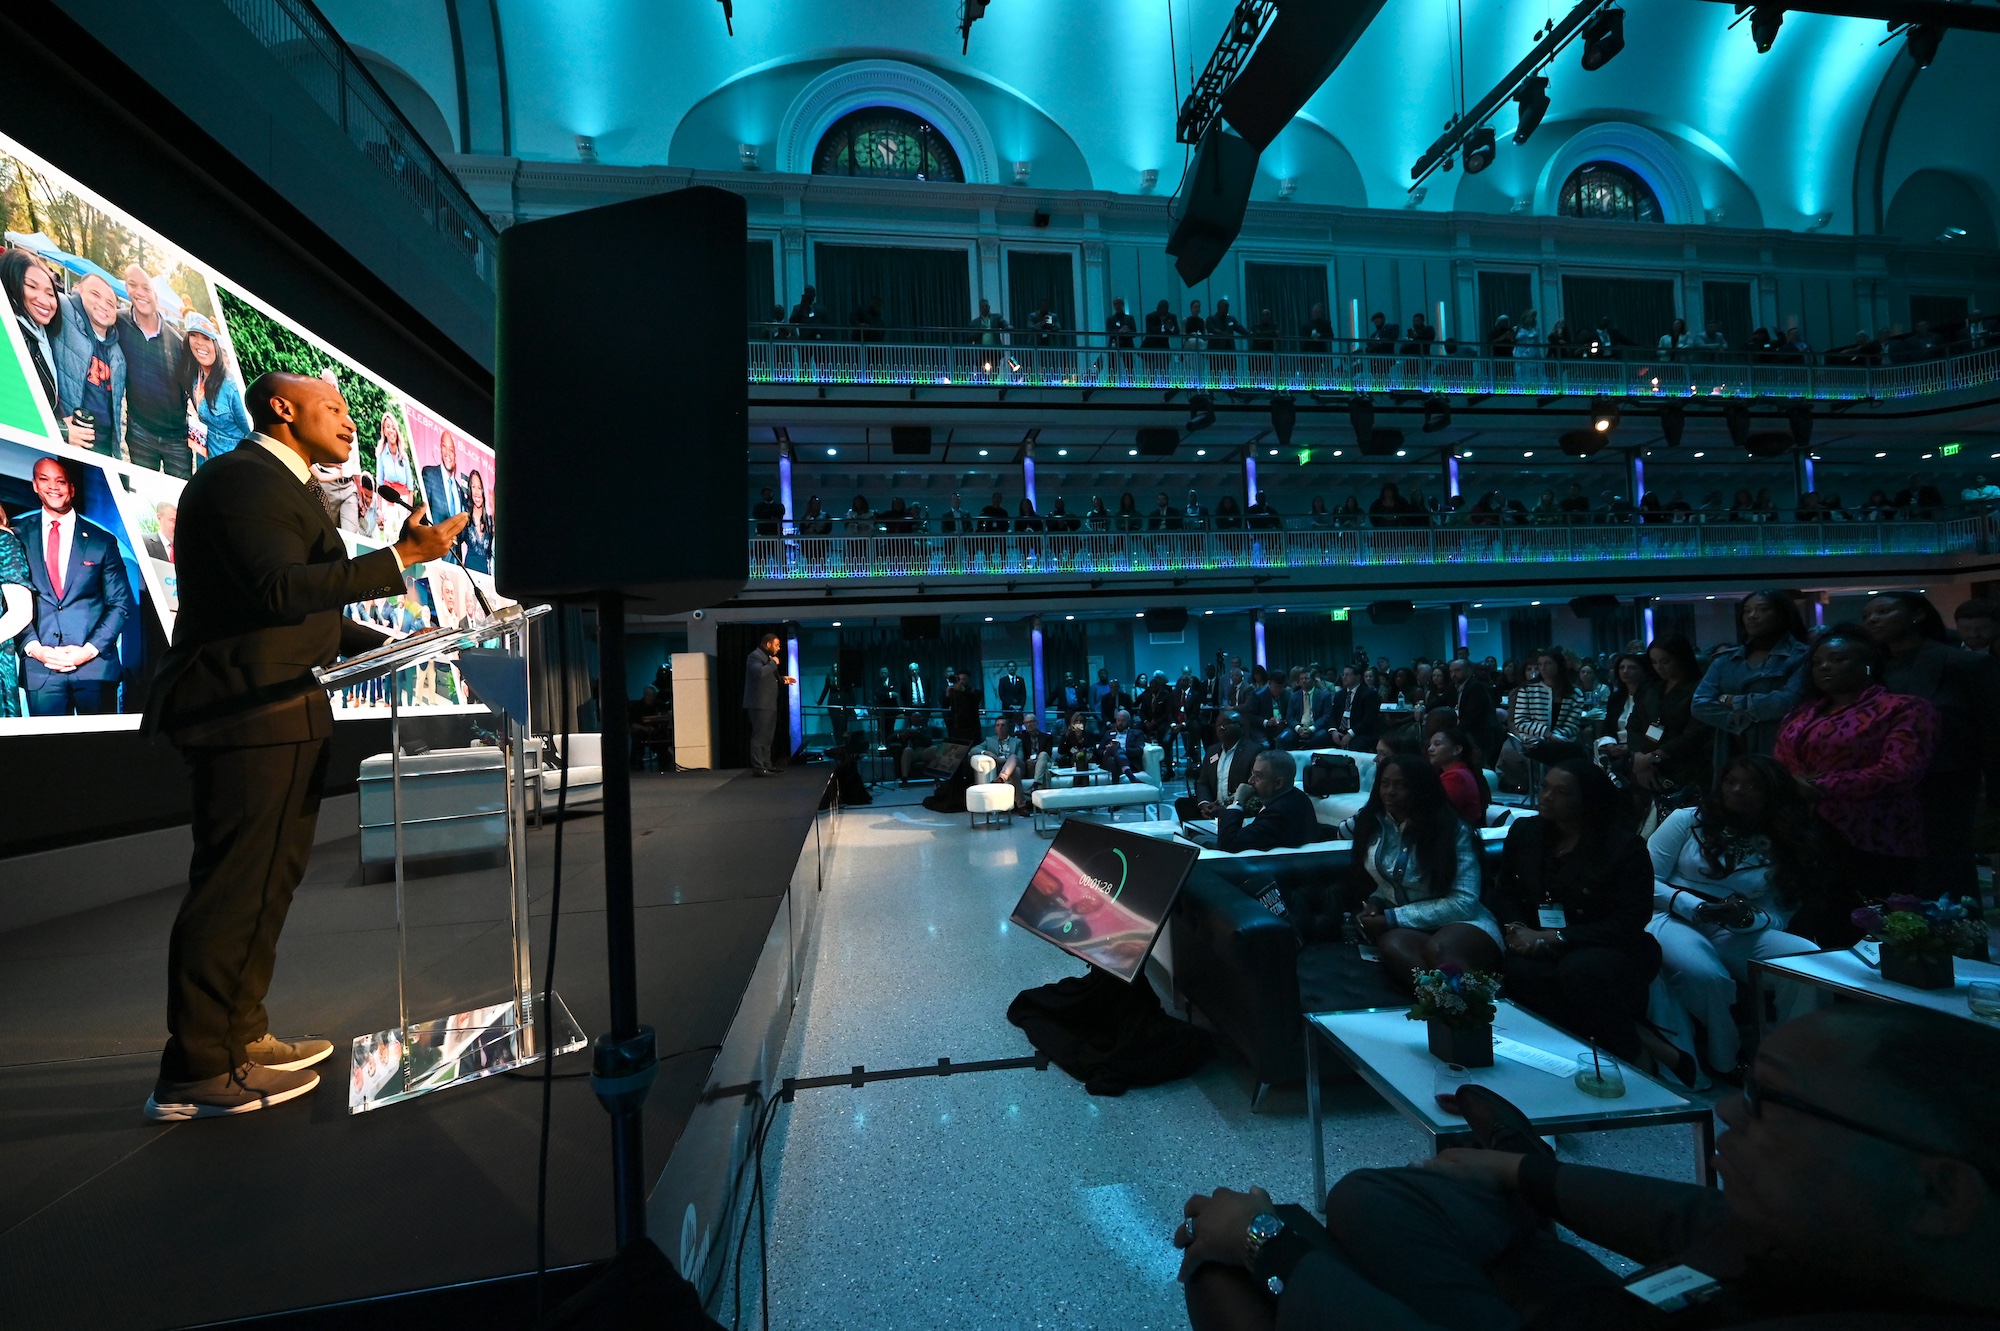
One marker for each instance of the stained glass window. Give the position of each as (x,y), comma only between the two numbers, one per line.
(1607,191)
(884,142)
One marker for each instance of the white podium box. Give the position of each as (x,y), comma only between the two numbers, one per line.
(694,709)
(451,826)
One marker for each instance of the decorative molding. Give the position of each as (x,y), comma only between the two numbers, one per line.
(1650,156)
(865,83)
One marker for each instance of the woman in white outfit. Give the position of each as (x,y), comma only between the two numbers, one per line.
(1726,880)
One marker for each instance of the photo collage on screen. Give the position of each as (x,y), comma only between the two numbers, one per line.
(123,366)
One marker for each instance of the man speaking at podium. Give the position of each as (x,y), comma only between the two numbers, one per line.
(263,578)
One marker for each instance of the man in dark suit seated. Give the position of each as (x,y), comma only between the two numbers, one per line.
(1283,815)
(1123,750)
(82,602)
(1357,713)
(263,577)
(1227,767)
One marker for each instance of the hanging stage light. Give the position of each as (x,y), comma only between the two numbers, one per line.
(1284,416)
(1581,443)
(1603,415)
(1479,150)
(1437,413)
(1765,20)
(1737,417)
(1201,412)
(1673,420)
(1361,413)
(1603,38)
(1533,99)
(1922,43)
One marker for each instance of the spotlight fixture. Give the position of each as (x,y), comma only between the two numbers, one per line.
(1437,413)
(1479,150)
(1737,417)
(1581,443)
(1603,415)
(1673,420)
(1603,38)
(1533,99)
(1284,416)
(1800,415)
(1201,412)
(1361,414)
(1922,43)
(1765,20)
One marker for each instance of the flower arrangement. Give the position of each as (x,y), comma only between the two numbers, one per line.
(1455,996)
(1943,925)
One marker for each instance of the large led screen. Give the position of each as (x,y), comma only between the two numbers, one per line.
(122,370)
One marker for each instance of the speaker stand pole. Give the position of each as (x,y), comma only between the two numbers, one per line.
(624,1062)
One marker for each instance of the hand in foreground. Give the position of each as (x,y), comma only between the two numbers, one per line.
(1243,793)
(1208,808)
(1217,1228)
(421,542)
(1372,918)
(1521,940)
(1489,1171)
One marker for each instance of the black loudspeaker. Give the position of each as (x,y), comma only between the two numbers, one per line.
(647,501)
(910,440)
(1382,444)
(1158,441)
(1166,619)
(1391,612)
(1209,212)
(1591,607)
(1304,45)
(922,628)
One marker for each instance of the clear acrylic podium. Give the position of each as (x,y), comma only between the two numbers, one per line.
(449,826)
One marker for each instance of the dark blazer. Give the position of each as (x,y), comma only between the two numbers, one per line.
(1214,787)
(95,604)
(1606,894)
(263,577)
(1286,821)
(762,682)
(1012,691)
(435,489)
(1364,714)
(1475,717)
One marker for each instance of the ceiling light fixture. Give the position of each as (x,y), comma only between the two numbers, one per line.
(1479,150)
(1765,20)
(1603,415)
(1437,413)
(833,452)
(1603,38)
(1533,99)
(1201,412)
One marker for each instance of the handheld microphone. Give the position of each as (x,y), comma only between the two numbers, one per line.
(395,494)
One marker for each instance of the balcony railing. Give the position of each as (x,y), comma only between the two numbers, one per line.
(300,39)
(1303,546)
(783,354)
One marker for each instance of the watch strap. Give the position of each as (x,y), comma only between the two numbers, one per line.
(1278,1257)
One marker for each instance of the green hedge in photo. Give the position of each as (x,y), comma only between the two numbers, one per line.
(263,344)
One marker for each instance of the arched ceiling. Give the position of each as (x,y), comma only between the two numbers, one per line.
(1784,126)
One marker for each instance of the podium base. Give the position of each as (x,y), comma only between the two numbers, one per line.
(402,1064)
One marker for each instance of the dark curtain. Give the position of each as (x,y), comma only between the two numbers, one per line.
(545,653)
(865,652)
(733,645)
(1288,291)
(1728,304)
(1610,633)
(1033,278)
(762,291)
(1063,653)
(1511,294)
(920,288)
(1642,307)
(1300,640)
(1674,620)
(1529,628)
(1940,312)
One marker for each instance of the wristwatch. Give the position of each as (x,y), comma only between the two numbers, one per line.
(1263,1229)
(1276,1249)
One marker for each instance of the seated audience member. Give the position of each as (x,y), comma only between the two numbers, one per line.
(1076,746)
(1632,710)
(1357,712)
(921,748)
(1005,751)
(1418,865)
(1727,876)
(1122,751)
(1457,760)
(1861,751)
(1283,815)
(1545,715)
(1037,746)
(1859,1194)
(1403,739)
(1978,625)
(1575,892)
(1226,768)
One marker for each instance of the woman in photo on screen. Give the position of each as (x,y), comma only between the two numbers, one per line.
(31,294)
(476,544)
(17,608)
(392,462)
(221,421)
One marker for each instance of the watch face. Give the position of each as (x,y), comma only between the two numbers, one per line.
(1266,1227)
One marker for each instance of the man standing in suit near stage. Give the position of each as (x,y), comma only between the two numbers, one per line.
(764,685)
(1012,691)
(82,602)
(263,578)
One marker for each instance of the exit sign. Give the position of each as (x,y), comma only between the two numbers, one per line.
(1340,616)
(1949,450)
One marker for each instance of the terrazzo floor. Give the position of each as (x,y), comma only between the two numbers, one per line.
(1010,1199)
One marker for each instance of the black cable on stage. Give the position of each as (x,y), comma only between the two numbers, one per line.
(545,1016)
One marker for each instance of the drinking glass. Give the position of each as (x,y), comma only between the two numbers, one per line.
(1445,1083)
(1983,997)
(1599,1075)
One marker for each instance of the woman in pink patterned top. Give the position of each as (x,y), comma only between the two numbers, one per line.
(1860,751)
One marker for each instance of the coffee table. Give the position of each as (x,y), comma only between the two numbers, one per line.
(1391,1054)
(1842,972)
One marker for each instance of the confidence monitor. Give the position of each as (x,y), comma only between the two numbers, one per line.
(1102,894)
(622,402)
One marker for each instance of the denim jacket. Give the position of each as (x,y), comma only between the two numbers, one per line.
(1761,696)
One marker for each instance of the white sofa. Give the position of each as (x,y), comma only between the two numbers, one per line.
(986,797)
(454,803)
(1336,809)
(1147,789)
(585,757)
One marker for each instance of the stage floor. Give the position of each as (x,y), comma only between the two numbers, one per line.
(109,1221)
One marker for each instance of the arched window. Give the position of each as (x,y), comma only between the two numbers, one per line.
(884,142)
(1608,192)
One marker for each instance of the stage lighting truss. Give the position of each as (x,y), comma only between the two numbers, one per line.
(1239,39)
(1470,137)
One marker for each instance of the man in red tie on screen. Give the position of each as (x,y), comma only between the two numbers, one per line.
(263,577)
